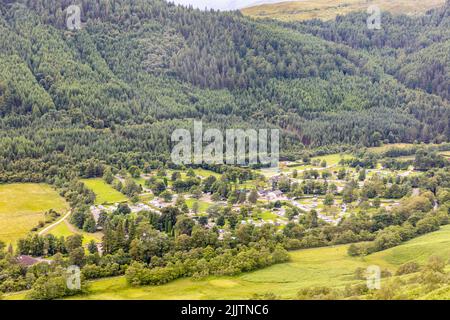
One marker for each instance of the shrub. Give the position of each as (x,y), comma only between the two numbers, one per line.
(318,293)
(407,268)
(51,287)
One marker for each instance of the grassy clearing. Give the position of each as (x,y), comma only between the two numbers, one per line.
(268,216)
(329,9)
(198,172)
(64,230)
(206,173)
(333,159)
(387,147)
(105,194)
(202,205)
(146,197)
(22,206)
(250,185)
(330,266)
(418,250)
(140,181)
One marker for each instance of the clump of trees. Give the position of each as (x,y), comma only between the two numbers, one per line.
(209,262)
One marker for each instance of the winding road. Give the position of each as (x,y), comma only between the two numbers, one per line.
(43,231)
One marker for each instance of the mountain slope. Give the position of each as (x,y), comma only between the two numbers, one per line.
(115,90)
(414,50)
(328,10)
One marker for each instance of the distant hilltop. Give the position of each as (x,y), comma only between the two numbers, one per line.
(329,9)
(224,5)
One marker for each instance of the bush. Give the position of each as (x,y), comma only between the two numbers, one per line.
(353,250)
(318,293)
(427,225)
(407,268)
(436,263)
(356,290)
(387,239)
(360,273)
(385,273)
(51,287)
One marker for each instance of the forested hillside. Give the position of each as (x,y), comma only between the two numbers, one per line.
(115,90)
(415,50)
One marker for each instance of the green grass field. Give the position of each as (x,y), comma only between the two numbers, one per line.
(387,147)
(329,9)
(105,194)
(22,206)
(206,173)
(140,181)
(64,230)
(330,266)
(267,215)
(199,172)
(202,205)
(333,159)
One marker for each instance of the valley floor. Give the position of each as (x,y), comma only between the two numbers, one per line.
(329,266)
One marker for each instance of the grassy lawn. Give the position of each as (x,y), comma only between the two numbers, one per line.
(64,230)
(405,158)
(267,215)
(202,205)
(300,167)
(146,197)
(330,266)
(417,250)
(250,185)
(387,147)
(105,194)
(22,207)
(333,159)
(140,181)
(206,173)
(269,172)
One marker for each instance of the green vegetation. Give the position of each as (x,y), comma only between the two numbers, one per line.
(328,10)
(331,160)
(175,246)
(104,193)
(389,147)
(329,267)
(23,206)
(417,250)
(267,215)
(65,230)
(202,205)
(363,119)
(320,88)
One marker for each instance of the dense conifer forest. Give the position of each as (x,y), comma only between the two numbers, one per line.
(115,90)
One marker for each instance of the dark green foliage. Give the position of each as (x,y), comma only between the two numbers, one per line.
(115,90)
(209,262)
(424,39)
